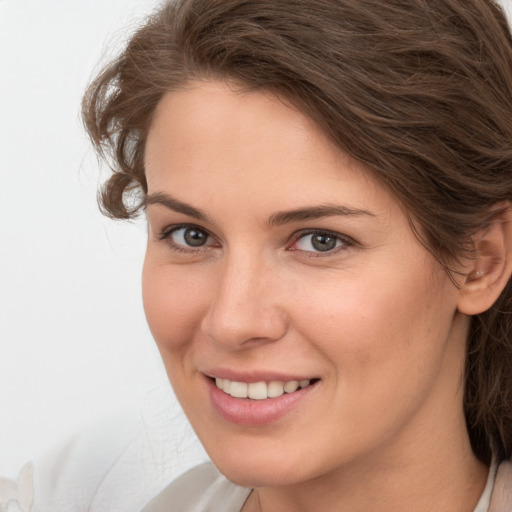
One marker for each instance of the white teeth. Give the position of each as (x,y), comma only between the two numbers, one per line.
(291,386)
(238,389)
(257,391)
(275,388)
(260,390)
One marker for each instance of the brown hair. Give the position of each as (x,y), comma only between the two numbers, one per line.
(420,91)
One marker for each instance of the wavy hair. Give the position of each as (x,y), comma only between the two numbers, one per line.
(419,91)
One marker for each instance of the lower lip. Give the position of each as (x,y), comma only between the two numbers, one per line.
(244,411)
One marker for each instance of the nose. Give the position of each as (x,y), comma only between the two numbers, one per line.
(245,309)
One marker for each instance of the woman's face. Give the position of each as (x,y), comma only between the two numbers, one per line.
(273,257)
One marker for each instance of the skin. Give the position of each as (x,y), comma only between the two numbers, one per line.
(376,319)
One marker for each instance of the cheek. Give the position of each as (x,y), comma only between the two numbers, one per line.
(389,327)
(174,301)
(385,346)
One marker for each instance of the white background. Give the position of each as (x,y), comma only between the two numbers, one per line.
(74,346)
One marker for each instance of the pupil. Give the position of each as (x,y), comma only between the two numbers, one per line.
(194,237)
(323,242)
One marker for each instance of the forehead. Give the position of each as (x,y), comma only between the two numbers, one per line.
(212,139)
(217,118)
(205,113)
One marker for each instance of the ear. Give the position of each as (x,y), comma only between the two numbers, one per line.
(489,272)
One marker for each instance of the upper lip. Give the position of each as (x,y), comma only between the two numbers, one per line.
(254,375)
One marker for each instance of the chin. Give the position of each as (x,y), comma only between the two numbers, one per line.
(251,477)
(256,472)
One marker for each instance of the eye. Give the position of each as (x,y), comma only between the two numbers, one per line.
(187,237)
(192,237)
(319,242)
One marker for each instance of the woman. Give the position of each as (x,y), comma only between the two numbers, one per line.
(327,186)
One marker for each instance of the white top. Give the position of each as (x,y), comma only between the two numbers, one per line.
(202,489)
(485,499)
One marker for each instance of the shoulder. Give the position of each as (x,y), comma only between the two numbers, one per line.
(201,489)
(501,498)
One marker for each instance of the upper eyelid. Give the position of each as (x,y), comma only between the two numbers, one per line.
(304,232)
(347,243)
(166,232)
(165,235)
(297,234)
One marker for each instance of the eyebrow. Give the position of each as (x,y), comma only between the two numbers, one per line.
(316,212)
(178,206)
(276,219)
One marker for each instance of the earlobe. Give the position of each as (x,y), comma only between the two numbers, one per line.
(489,271)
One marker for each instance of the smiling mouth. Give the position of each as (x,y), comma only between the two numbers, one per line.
(261,390)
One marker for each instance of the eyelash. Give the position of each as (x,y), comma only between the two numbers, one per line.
(343,242)
(166,235)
